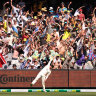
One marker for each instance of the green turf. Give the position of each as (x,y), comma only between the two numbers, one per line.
(47,94)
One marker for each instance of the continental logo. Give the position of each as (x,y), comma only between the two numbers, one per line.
(4,79)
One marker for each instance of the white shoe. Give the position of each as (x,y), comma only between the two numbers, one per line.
(45,91)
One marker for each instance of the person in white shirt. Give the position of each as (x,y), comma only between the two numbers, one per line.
(8,39)
(15,9)
(36,65)
(44,74)
(15,24)
(57,63)
(9,30)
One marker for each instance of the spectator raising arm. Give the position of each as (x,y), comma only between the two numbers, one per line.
(12,4)
(5,4)
(94,17)
(94,11)
(69,5)
(15,9)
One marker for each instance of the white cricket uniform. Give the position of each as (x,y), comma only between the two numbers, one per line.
(44,74)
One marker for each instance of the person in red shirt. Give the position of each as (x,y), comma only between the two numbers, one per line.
(81,16)
(25,37)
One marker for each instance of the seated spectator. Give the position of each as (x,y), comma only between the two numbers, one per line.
(57,63)
(14,66)
(26,64)
(36,65)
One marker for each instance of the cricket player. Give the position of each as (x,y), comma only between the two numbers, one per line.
(43,74)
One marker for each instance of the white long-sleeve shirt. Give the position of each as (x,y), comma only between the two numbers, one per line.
(45,70)
(76,13)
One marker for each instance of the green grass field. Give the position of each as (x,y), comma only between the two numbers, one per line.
(46,94)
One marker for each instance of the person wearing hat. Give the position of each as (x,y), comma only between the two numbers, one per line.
(81,16)
(21,58)
(67,15)
(36,64)
(77,11)
(51,10)
(35,17)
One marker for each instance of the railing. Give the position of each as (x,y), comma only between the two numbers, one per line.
(57,79)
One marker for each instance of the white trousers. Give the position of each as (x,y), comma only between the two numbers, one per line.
(43,78)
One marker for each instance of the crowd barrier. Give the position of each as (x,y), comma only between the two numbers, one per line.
(57,79)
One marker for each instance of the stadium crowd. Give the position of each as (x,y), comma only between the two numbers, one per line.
(29,42)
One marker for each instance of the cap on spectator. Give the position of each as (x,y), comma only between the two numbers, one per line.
(29,58)
(21,58)
(33,23)
(26,31)
(9,16)
(5,15)
(68,11)
(35,17)
(20,23)
(3,31)
(80,10)
(56,16)
(44,9)
(14,19)
(62,59)
(1,24)
(35,60)
(51,8)
(86,45)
